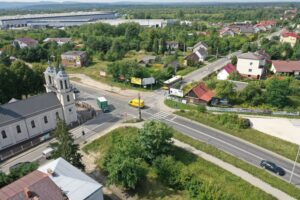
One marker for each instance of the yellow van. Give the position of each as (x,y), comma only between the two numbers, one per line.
(135,103)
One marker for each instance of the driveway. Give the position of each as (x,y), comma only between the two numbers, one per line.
(283,128)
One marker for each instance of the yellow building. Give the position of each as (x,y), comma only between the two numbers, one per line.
(290,38)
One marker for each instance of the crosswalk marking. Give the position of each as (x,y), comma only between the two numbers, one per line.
(159,115)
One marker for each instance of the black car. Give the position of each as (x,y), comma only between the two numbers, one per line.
(15,166)
(272,167)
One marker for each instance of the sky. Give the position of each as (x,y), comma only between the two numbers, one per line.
(179,1)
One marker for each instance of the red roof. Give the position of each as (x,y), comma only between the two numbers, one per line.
(267,23)
(290,34)
(286,66)
(202,92)
(229,68)
(35,183)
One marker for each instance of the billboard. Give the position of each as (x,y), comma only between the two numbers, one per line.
(176,92)
(137,81)
(148,81)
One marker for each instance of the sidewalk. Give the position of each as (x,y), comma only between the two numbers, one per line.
(236,171)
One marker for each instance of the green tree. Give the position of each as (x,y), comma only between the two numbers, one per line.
(4,179)
(24,78)
(65,146)
(252,94)
(162,44)
(6,84)
(276,92)
(233,60)
(125,171)
(155,139)
(23,170)
(156,46)
(225,89)
(168,171)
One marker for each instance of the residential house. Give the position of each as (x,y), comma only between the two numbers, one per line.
(283,67)
(74,58)
(200,94)
(28,122)
(196,57)
(227,32)
(289,14)
(35,185)
(266,25)
(200,45)
(59,41)
(74,183)
(248,30)
(172,45)
(252,65)
(290,38)
(147,60)
(25,42)
(226,71)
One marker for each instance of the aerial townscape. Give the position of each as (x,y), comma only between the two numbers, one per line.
(150,100)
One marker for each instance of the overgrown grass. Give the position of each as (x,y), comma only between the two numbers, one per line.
(178,105)
(153,189)
(274,144)
(257,172)
(186,71)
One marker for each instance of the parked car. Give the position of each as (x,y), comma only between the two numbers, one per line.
(272,167)
(76,91)
(15,166)
(47,153)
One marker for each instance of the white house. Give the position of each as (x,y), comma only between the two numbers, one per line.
(74,183)
(59,41)
(200,45)
(197,56)
(25,42)
(251,65)
(31,120)
(285,67)
(226,71)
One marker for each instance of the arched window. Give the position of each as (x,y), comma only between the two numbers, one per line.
(32,124)
(46,120)
(61,84)
(18,129)
(50,80)
(66,84)
(3,133)
(68,98)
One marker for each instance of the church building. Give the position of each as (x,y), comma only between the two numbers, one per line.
(25,123)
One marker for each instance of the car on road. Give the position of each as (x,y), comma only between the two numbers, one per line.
(137,103)
(272,167)
(15,166)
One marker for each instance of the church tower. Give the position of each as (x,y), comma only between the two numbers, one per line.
(58,81)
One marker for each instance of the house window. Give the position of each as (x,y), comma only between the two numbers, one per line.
(57,115)
(66,85)
(70,110)
(251,63)
(3,133)
(32,124)
(250,70)
(61,85)
(18,129)
(68,98)
(50,80)
(46,120)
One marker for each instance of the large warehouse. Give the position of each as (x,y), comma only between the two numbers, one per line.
(54,19)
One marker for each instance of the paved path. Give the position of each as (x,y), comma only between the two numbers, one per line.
(236,171)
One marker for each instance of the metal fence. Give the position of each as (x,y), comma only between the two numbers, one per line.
(244,110)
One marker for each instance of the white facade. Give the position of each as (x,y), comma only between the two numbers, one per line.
(201,56)
(22,120)
(223,75)
(250,67)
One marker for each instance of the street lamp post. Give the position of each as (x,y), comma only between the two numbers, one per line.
(291,177)
(140,114)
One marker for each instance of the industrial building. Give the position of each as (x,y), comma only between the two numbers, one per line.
(54,20)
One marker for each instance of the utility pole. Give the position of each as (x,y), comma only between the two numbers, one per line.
(140,114)
(291,177)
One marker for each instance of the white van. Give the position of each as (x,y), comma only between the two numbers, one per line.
(47,153)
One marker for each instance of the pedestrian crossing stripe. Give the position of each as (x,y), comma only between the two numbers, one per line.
(159,115)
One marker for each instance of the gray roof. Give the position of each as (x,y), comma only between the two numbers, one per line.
(199,44)
(252,56)
(13,112)
(74,53)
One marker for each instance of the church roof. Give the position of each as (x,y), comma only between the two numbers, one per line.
(12,112)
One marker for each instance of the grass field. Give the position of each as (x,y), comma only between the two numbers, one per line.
(153,189)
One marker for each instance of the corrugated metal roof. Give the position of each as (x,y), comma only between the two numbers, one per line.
(76,184)
(18,110)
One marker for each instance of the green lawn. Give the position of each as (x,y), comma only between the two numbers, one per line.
(186,71)
(206,171)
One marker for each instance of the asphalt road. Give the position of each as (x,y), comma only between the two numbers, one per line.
(234,146)
(209,69)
